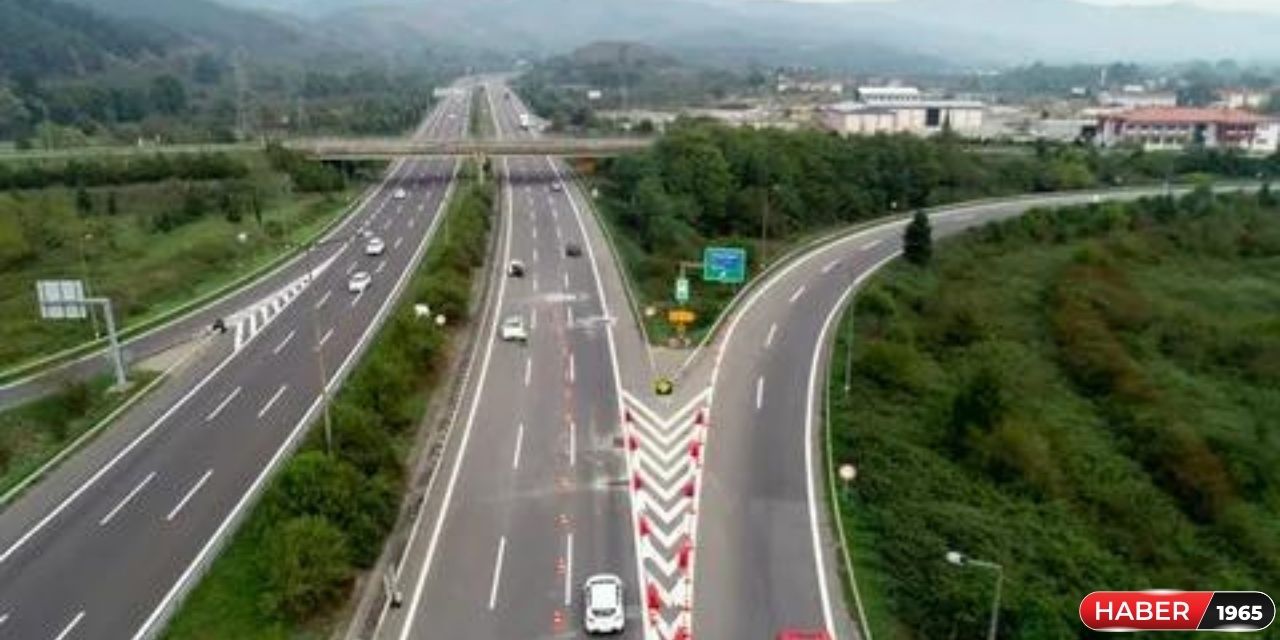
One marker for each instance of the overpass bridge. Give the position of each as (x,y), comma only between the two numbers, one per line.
(389,148)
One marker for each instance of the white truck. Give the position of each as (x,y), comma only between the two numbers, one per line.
(525,121)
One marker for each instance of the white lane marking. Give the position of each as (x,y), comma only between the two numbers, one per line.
(497,572)
(356,300)
(222,405)
(396,244)
(533,320)
(568,312)
(4,618)
(871,245)
(387,225)
(961,217)
(535,284)
(324,338)
(830,265)
(534,234)
(773,330)
(573,443)
(571,368)
(528,370)
(535,256)
(796,296)
(124,501)
(568,568)
(267,407)
(190,494)
(411,223)
(381,265)
(558,234)
(66,631)
(566,281)
(354,264)
(515,457)
(759,393)
(324,299)
(280,347)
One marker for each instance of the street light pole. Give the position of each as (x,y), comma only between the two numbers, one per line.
(961,560)
(319,351)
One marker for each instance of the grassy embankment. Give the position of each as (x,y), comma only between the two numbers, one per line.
(290,568)
(149,244)
(1086,396)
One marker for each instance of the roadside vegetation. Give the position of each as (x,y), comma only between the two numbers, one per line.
(150,232)
(706,184)
(292,565)
(1087,396)
(32,434)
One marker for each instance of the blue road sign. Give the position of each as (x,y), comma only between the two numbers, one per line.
(727,265)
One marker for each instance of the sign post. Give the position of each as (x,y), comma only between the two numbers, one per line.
(65,300)
(682,290)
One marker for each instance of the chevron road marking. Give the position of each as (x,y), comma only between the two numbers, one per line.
(251,320)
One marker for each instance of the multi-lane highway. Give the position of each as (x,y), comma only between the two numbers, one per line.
(534,496)
(108,552)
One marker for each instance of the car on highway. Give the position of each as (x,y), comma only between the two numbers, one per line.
(359,281)
(400,194)
(374,247)
(557,187)
(514,329)
(515,269)
(602,605)
(572,249)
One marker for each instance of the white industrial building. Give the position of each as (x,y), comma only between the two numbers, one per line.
(920,117)
(1172,129)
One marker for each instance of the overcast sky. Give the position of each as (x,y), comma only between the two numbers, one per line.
(1271,6)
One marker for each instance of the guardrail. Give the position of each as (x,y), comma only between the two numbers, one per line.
(382,148)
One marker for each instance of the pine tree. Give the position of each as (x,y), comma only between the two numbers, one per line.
(917,240)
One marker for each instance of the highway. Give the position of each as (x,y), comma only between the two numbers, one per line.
(532,496)
(109,550)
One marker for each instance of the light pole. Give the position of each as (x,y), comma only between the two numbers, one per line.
(88,288)
(961,560)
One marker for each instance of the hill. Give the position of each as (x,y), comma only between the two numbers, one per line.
(44,37)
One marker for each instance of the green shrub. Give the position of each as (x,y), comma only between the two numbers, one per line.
(307,567)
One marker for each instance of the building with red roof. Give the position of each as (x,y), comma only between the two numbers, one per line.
(1174,128)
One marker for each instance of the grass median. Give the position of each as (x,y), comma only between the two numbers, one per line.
(1086,396)
(291,567)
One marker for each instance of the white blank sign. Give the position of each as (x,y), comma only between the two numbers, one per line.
(61,299)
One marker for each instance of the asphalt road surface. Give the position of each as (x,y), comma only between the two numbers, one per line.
(532,496)
(109,555)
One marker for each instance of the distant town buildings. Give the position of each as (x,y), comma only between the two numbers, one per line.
(1243,98)
(1178,128)
(1137,97)
(900,110)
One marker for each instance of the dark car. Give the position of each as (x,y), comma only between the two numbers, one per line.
(573,250)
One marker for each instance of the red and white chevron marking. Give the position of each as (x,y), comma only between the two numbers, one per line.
(664,456)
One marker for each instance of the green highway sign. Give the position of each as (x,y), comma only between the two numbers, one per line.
(726,265)
(682,290)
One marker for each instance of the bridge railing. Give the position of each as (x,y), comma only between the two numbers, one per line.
(396,147)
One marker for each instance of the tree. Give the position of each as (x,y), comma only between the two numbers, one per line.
(113,207)
(917,240)
(84,201)
(168,95)
(307,567)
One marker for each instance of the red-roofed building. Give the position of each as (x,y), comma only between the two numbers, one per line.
(1173,128)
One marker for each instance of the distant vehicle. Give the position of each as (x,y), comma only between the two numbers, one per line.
(803,634)
(359,281)
(374,247)
(513,329)
(515,269)
(506,95)
(525,121)
(556,186)
(400,194)
(572,249)
(603,609)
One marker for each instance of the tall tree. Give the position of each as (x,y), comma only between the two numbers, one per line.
(168,95)
(917,240)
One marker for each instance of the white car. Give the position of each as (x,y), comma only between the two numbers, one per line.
(513,329)
(557,187)
(374,247)
(359,281)
(400,194)
(602,609)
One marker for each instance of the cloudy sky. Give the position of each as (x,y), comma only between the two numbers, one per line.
(1270,6)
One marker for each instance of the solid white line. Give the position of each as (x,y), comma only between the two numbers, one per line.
(796,296)
(280,347)
(354,264)
(124,501)
(572,368)
(528,370)
(871,245)
(759,393)
(568,569)
(497,572)
(768,341)
(515,457)
(267,407)
(222,405)
(396,244)
(830,265)
(324,338)
(573,443)
(381,265)
(324,299)
(190,494)
(66,631)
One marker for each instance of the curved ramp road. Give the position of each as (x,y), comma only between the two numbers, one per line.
(108,555)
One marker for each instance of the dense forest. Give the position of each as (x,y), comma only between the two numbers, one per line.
(48,38)
(1087,396)
(704,182)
